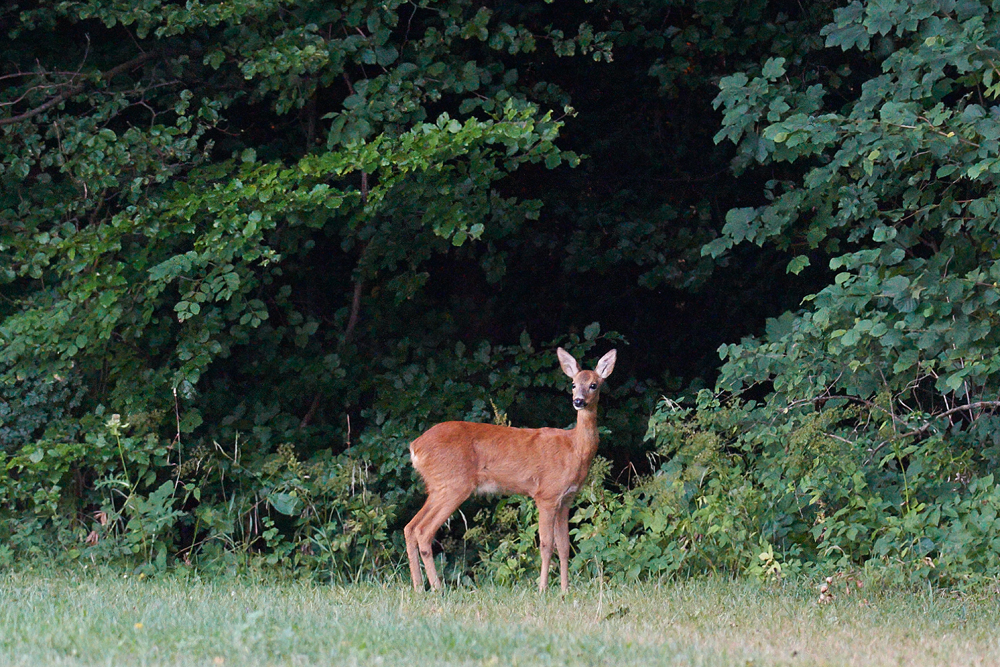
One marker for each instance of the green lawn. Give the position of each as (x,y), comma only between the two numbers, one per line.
(107,619)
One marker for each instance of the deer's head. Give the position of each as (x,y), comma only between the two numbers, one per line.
(586,384)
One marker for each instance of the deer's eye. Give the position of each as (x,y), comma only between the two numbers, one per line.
(574,385)
(593,387)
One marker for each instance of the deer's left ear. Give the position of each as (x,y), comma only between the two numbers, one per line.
(568,363)
(606,364)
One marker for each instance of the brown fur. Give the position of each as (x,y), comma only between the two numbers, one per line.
(456,459)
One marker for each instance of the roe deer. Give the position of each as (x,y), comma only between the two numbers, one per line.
(456,459)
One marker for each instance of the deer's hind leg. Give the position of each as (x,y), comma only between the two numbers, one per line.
(439,506)
(412,546)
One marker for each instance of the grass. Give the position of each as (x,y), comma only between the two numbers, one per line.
(110,619)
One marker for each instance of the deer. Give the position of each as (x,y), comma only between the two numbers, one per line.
(456,459)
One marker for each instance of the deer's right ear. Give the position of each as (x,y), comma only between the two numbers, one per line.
(606,364)
(568,363)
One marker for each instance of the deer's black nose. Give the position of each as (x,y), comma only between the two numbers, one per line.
(579,403)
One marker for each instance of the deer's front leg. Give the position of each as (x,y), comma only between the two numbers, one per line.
(546,522)
(562,543)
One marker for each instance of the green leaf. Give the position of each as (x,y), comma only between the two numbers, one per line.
(773,68)
(215,59)
(895,285)
(716,247)
(797,264)
(386,55)
(955,381)
(883,233)
(285,503)
(741,224)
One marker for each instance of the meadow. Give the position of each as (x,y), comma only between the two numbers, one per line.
(107,618)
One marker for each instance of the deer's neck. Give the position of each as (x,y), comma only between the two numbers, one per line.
(585,436)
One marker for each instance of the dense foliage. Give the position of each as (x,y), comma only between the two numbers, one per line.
(862,427)
(250,249)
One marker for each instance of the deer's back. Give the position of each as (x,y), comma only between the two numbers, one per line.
(490,458)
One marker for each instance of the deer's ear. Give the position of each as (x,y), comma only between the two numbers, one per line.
(568,363)
(606,364)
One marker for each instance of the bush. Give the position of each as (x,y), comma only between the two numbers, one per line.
(279,492)
(745,488)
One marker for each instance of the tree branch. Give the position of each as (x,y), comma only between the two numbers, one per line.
(946,413)
(78,88)
(355,311)
(352,321)
(359,283)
